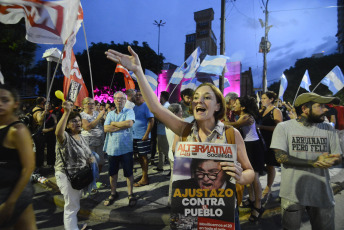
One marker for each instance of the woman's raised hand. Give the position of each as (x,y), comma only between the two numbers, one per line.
(67,106)
(132,62)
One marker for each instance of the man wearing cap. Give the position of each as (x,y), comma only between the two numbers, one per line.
(306,147)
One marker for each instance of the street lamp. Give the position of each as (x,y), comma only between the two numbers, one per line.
(158,24)
(52,55)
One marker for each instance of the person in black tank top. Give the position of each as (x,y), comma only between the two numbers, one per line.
(270,117)
(17,162)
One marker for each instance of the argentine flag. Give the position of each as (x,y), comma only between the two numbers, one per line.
(306,82)
(283,86)
(213,64)
(192,84)
(193,63)
(334,80)
(189,72)
(216,81)
(152,79)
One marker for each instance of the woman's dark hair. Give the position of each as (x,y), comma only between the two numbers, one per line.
(219,99)
(72,115)
(250,105)
(14,94)
(271,95)
(12,90)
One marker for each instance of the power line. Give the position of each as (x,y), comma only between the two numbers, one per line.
(314,8)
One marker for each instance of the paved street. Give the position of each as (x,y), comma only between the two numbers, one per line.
(151,211)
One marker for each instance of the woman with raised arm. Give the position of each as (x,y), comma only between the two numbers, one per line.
(17,162)
(208,108)
(76,155)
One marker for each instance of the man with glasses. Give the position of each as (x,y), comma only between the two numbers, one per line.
(141,132)
(119,146)
(205,174)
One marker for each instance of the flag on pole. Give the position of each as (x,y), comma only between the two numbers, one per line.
(192,84)
(306,82)
(47,22)
(213,64)
(128,81)
(193,62)
(133,76)
(258,99)
(2,79)
(74,88)
(334,80)
(216,81)
(283,86)
(152,79)
(67,53)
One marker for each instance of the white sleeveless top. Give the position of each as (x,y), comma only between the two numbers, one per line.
(250,132)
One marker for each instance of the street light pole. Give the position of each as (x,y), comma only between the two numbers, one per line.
(158,24)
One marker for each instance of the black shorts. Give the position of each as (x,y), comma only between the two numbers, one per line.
(126,161)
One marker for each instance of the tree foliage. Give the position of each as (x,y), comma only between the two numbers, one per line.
(103,69)
(317,69)
(17,54)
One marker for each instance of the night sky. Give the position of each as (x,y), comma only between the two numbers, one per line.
(300,29)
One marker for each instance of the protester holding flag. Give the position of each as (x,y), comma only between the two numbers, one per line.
(17,162)
(208,107)
(270,117)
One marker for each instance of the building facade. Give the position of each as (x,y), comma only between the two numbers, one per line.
(204,36)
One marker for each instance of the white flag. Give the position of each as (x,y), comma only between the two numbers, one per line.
(283,86)
(47,22)
(2,80)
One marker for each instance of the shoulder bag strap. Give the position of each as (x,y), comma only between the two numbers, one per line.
(186,131)
(64,165)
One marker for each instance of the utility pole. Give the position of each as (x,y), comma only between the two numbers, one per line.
(222,42)
(265,45)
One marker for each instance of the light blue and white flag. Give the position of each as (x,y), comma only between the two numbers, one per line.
(334,80)
(152,79)
(133,76)
(193,63)
(213,64)
(216,81)
(192,84)
(189,72)
(306,82)
(283,86)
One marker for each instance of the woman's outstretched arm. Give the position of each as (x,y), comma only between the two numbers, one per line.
(133,63)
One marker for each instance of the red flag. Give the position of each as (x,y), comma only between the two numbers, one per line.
(47,22)
(129,82)
(74,87)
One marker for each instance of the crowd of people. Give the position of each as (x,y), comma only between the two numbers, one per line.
(301,139)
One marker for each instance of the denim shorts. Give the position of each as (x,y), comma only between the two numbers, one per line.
(126,161)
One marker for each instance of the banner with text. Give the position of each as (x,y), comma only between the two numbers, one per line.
(203,195)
